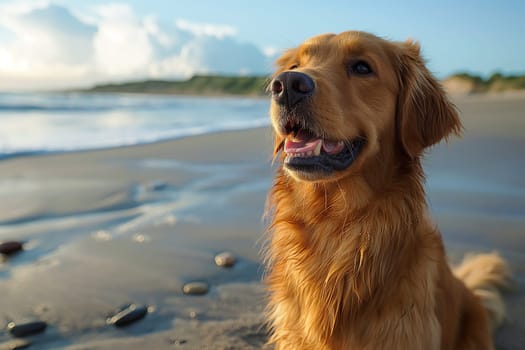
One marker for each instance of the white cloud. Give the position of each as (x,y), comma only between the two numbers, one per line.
(116,10)
(271,51)
(45,45)
(121,44)
(224,56)
(206,29)
(19,7)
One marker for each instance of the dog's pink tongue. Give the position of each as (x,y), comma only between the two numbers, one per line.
(301,143)
(301,146)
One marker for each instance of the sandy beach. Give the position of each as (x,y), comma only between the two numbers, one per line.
(106,228)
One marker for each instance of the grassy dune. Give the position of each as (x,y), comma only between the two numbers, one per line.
(197,85)
(468,83)
(217,85)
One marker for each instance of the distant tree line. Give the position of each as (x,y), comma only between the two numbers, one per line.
(218,85)
(497,82)
(208,85)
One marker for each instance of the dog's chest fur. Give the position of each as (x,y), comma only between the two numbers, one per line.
(328,270)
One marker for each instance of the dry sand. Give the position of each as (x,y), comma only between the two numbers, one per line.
(133,224)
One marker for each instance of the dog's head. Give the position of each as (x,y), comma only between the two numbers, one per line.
(342,101)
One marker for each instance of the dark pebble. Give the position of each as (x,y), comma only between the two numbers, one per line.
(128,316)
(26,329)
(172,341)
(225,259)
(195,288)
(10,247)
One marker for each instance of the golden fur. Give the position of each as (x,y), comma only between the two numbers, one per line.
(353,260)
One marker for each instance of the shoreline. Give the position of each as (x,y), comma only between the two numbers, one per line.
(38,124)
(459,99)
(511,93)
(40,153)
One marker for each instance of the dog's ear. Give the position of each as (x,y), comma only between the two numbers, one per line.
(424,113)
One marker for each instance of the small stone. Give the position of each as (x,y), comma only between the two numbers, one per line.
(195,288)
(173,341)
(10,247)
(225,259)
(15,344)
(26,329)
(129,315)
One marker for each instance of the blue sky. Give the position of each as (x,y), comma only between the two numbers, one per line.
(66,42)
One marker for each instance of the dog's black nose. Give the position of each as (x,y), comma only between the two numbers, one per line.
(289,88)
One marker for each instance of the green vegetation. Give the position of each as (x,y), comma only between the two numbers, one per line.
(217,85)
(497,82)
(210,85)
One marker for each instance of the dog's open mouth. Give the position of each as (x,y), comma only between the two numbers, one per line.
(306,152)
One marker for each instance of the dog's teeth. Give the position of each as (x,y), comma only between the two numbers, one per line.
(309,154)
(317,150)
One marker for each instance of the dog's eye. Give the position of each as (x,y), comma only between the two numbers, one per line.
(361,68)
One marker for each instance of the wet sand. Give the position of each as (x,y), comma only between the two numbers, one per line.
(134,224)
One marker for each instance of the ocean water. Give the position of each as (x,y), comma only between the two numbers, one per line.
(57,122)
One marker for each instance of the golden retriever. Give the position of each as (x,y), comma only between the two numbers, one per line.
(353,260)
